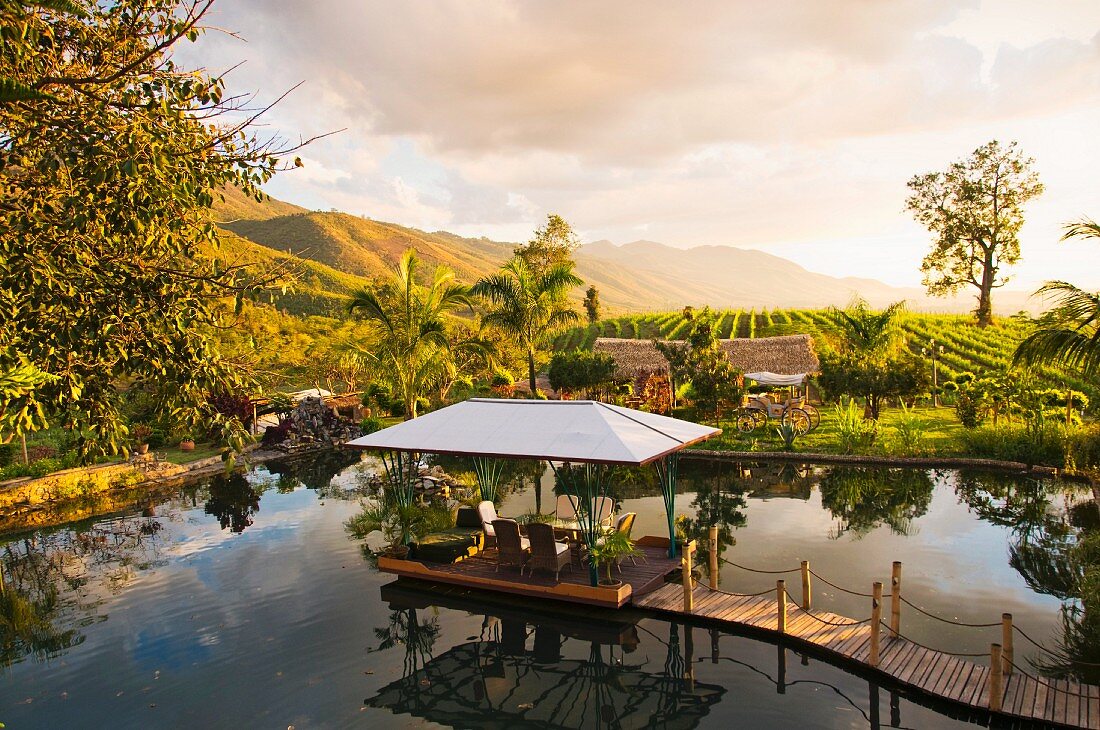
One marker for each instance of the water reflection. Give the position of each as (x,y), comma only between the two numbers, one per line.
(548,671)
(861,499)
(233,500)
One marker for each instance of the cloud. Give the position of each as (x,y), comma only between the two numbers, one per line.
(710,122)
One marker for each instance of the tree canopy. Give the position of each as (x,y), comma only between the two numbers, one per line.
(529,305)
(554,243)
(1067,334)
(975,210)
(111,156)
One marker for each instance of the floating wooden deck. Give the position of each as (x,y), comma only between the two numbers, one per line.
(932,672)
(481,572)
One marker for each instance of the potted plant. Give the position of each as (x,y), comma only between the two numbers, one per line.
(187,443)
(609,552)
(141,434)
(399,525)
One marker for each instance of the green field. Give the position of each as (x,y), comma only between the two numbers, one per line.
(966,347)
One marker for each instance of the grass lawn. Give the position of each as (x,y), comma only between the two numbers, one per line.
(943,435)
(202,451)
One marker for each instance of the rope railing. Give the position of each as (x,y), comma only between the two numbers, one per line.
(940,651)
(920,610)
(757,570)
(1042,648)
(839,588)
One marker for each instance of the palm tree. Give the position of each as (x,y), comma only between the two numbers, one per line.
(411,345)
(529,306)
(1069,333)
(867,332)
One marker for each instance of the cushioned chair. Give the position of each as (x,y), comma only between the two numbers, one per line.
(546,552)
(564,509)
(602,507)
(625,524)
(512,548)
(488,512)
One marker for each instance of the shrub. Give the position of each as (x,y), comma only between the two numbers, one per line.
(909,431)
(1083,449)
(855,432)
(787,433)
(502,379)
(1044,444)
(970,410)
(539,395)
(277,434)
(371,424)
(7,454)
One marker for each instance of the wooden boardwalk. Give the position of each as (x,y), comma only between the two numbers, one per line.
(935,673)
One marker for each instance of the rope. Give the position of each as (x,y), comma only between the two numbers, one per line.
(1042,648)
(754,570)
(742,595)
(798,606)
(1048,685)
(929,648)
(834,585)
(918,609)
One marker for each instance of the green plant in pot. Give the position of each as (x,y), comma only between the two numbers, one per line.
(608,552)
(141,434)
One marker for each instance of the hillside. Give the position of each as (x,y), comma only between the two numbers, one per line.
(638,276)
(967,348)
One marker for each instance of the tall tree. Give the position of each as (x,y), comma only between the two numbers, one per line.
(553,244)
(111,156)
(592,303)
(701,361)
(411,347)
(528,305)
(1068,334)
(975,210)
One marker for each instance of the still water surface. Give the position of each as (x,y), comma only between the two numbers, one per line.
(243,603)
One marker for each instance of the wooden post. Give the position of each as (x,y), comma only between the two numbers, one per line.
(689,658)
(714,636)
(685,562)
(995,683)
(781,673)
(807,595)
(1006,642)
(876,621)
(895,600)
(713,557)
(781,611)
(26,459)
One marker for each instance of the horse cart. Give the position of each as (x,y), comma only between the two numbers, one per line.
(759,409)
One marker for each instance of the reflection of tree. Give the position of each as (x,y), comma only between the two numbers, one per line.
(861,499)
(719,500)
(1057,552)
(233,500)
(405,629)
(317,473)
(44,579)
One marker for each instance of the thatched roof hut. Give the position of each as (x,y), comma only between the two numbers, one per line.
(787,355)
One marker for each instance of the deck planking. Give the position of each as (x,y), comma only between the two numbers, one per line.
(481,571)
(927,670)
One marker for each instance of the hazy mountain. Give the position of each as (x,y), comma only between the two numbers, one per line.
(638,276)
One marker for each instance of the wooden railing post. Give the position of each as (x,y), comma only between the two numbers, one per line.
(876,621)
(1006,642)
(807,594)
(895,600)
(713,557)
(781,606)
(689,597)
(995,680)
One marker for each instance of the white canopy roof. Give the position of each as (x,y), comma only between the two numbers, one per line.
(765,378)
(570,430)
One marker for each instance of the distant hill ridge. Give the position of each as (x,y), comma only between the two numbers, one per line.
(635,277)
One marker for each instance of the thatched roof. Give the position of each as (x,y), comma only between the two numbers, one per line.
(787,355)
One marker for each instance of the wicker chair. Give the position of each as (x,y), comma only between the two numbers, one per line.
(512,549)
(602,508)
(546,552)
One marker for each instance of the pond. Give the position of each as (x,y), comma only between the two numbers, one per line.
(243,602)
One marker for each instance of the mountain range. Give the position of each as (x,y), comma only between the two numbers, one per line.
(336,252)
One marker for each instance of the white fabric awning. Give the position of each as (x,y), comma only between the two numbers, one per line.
(776,378)
(573,431)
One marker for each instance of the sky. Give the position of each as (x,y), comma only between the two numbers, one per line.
(782,125)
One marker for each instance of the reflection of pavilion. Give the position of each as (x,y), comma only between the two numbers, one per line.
(515,674)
